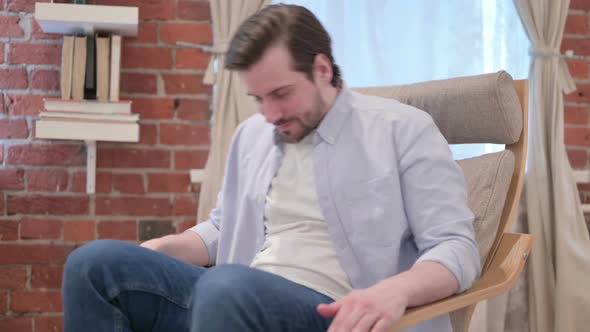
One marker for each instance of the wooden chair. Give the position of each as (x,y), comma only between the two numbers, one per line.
(490,98)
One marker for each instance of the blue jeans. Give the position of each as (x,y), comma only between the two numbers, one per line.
(117,286)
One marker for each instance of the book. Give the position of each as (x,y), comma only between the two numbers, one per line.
(90,82)
(79,68)
(115,67)
(67,62)
(122,107)
(91,116)
(102,67)
(84,130)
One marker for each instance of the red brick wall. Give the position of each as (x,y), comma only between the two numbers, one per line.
(142,189)
(577,104)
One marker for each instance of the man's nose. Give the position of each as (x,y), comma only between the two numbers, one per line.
(271,113)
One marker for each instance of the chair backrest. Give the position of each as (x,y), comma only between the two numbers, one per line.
(489,108)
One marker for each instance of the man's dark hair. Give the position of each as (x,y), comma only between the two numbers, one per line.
(295,26)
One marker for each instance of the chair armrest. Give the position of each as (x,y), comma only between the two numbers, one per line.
(507,263)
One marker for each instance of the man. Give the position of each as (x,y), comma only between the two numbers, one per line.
(338,211)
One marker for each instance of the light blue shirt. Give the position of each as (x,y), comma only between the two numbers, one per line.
(387,185)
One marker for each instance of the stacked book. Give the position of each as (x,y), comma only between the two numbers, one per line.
(90,67)
(88,120)
(89,107)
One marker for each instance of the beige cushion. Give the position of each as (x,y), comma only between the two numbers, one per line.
(474,109)
(488,180)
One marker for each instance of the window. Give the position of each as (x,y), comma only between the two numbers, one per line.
(398,42)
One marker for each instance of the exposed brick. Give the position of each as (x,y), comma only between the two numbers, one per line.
(576,24)
(193,109)
(579,46)
(148,10)
(3,307)
(40,229)
(185,205)
(138,83)
(578,68)
(190,159)
(128,183)
(2,59)
(193,10)
(47,180)
(133,158)
(194,33)
(580,4)
(192,59)
(13,253)
(24,104)
(13,78)
(27,6)
(153,108)
(576,115)
(581,95)
(10,28)
(39,34)
(133,206)
(185,84)
(119,230)
(16,324)
(35,54)
(11,129)
(193,134)
(183,226)
(79,231)
(1,155)
(146,57)
(577,136)
(46,155)
(13,277)
(44,79)
(102,184)
(12,179)
(49,324)
(148,134)
(149,229)
(146,33)
(578,158)
(166,182)
(36,301)
(8,229)
(46,276)
(38,204)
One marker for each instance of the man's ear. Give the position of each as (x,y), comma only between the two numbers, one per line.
(322,69)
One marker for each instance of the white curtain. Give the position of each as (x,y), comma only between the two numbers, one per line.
(230,102)
(390,42)
(559,292)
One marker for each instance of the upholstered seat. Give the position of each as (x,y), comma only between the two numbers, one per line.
(490,108)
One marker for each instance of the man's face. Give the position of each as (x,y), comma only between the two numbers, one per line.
(286,98)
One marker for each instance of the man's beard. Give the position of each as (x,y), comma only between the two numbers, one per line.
(312,121)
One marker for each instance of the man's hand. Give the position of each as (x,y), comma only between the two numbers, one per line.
(187,246)
(373,309)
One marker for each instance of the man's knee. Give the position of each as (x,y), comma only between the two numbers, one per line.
(225,285)
(98,253)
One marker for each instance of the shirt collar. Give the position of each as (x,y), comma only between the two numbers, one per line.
(333,122)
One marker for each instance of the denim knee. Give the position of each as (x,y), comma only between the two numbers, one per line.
(223,285)
(94,254)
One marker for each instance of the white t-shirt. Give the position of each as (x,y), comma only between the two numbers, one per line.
(297,244)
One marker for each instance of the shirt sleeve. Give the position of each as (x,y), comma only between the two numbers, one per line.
(209,229)
(435,200)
